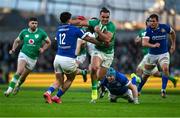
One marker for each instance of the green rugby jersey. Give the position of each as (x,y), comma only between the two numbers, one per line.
(109,27)
(32,42)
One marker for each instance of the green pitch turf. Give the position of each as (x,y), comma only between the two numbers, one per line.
(30,103)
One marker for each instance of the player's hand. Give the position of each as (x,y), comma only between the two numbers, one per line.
(97,29)
(156,45)
(11,51)
(172,49)
(41,50)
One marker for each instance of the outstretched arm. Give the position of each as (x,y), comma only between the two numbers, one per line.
(79,22)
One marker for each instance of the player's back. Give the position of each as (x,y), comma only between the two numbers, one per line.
(118,86)
(67,36)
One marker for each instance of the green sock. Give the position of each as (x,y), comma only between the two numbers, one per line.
(171,78)
(14,81)
(94,84)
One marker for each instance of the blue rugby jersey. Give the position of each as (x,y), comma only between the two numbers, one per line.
(117,87)
(159,35)
(66,37)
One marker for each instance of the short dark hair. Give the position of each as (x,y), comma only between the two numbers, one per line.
(105,10)
(154,16)
(65,16)
(32,19)
(147,20)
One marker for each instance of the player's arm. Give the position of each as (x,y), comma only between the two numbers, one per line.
(79,22)
(172,36)
(104,36)
(91,40)
(138,40)
(78,47)
(16,43)
(46,45)
(134,92)
(145,43)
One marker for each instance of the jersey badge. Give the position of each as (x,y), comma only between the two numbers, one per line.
(36,36)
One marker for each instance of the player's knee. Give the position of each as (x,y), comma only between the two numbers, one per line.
(94,68)
(139,71)
(165,69)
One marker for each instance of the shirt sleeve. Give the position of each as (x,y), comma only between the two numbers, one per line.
(93,23)
(21,35)
(122,79)
(44,34)
(167,28)
(81,34)
(111,28)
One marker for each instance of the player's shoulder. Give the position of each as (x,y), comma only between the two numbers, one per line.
(24,30)
(111,24)
(41,30)
(164,25)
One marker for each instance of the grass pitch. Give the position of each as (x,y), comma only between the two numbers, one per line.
(30,103)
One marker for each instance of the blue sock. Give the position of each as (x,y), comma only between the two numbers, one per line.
(133,81)
(51,89)
(164,82)
(60,93)
(141,84)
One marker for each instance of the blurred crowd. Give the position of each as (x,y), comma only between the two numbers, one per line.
(127,57)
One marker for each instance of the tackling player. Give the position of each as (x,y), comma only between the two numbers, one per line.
(65,59)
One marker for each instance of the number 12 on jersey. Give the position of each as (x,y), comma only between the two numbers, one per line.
(62,38)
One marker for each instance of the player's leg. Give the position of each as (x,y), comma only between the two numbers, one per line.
(95,65)
(113,98)
(128,96)
(139,72)
(20,68)
(64,88)
(101,89)
(80,60)
(170,77)
(164,64)
(21,80)
(59,79)
(82,72)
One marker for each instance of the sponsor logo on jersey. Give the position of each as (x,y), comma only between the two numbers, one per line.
(31,41)
(27,35)
(163,30)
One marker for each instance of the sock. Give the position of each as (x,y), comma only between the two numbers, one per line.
(14,81)
(51,89)
(141,84)
(94,95)
(94,84)
(164,82)
(60,93)
(133,81)
(171,78)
